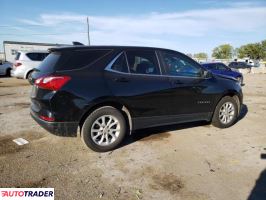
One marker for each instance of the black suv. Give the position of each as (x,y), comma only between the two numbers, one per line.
(109,91)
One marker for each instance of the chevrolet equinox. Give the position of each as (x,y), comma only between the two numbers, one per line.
(110,91)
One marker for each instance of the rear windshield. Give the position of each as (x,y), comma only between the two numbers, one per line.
(49,63)
(69,60)
(37,56)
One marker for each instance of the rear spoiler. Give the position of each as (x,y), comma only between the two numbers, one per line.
(75,43)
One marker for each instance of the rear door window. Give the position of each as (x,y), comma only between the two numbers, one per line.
(143,62)
(120,64)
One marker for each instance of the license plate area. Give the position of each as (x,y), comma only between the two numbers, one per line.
(34,91)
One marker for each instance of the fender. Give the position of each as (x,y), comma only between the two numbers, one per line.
(27,72)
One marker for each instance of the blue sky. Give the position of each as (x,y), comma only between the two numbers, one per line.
(189,26)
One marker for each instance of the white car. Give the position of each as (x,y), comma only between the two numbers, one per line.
(5,68)
(25,62)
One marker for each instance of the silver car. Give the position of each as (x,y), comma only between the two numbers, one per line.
(25,62)
(5,68)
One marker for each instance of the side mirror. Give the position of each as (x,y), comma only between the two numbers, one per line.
(207,74)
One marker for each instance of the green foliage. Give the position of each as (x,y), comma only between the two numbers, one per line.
(253,51)
(201,55)
(224,51)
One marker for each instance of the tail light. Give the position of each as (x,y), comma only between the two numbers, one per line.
(45,118)
(17,64)
(52,82)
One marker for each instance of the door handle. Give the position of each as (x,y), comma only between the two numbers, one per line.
(122,80)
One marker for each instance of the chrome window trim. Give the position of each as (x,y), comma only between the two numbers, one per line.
(125,53)
(110,64)
(159,65)
(109,68)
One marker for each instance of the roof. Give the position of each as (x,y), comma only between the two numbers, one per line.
(33,51)
(76,47)
(34,43)
(212,62)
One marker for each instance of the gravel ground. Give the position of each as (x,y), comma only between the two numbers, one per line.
(188,161)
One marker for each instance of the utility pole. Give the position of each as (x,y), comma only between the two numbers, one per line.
(88,25)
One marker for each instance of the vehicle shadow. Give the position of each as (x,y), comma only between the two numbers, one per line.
(5,76)
(159,131)
(243,112)
(259,190)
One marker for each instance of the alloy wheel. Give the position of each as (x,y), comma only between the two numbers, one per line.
(227,112)
(105,130)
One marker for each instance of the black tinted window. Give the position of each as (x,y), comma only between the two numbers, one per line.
(233,64)
(179,65)
(120,64)
(78,59)
(142,62)
(49,63)
(37,56)
(220,66)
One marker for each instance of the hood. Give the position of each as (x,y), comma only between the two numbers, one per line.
(225,77)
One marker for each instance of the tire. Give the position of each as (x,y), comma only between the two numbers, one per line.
(8,72)
(228,108)
(91,127)
(28,76)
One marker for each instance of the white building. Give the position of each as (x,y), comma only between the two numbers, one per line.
(11,48)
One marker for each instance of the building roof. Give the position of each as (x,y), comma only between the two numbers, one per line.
(34,43)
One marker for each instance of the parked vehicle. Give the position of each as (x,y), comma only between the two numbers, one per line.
(239,65)
(5,68)
(25,62)
(109,91)
(222,69)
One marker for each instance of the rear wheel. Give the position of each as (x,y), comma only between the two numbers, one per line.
(226,112)
(104,129)
(8,72)
(29,75)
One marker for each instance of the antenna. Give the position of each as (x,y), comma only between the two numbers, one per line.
(88,25)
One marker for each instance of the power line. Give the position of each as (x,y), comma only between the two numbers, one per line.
(89,41)
(15,26)
(42,25)
(14,34)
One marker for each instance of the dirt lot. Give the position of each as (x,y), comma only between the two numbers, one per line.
(191,161)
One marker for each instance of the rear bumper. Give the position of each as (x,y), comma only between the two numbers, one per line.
(68,129)
(17,73)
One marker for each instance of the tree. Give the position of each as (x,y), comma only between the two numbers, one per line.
(224,51)
(201,55)
(252,51)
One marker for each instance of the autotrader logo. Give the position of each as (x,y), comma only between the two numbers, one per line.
(27,193)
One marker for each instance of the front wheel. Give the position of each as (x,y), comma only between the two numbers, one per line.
(226,113)
(104,129)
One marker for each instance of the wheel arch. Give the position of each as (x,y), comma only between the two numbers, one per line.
(233,94)
(27,73)
(119,106)
(8,70)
